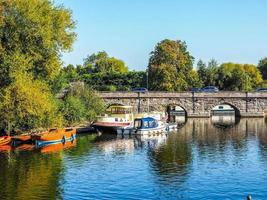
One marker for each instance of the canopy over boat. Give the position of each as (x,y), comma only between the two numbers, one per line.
(145,123)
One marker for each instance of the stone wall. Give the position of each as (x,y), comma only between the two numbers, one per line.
(251,104)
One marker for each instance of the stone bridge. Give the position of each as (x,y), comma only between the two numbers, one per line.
(246,104)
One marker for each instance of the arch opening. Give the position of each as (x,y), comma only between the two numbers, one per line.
(225,115)
(176,114)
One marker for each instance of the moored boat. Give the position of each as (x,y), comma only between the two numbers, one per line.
(54,136)
(148,125)
(117,117)
(4,140)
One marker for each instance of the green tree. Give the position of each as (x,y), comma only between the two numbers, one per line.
(238,76)
(102,63)
(169,66)
(263,67)
(36,30)
(212,73)
(202,70)
(71,74)
(33,34)
(81,104)
(28,104)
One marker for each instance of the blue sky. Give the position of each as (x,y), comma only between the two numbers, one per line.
(226,30)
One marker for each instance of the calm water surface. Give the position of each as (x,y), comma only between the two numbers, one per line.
(204,159)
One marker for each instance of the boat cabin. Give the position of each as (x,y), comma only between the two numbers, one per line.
(120,110)
(145,123)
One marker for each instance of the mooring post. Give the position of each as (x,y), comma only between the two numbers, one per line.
(249,197)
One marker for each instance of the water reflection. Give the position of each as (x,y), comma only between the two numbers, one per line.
(26,175)
(199,161)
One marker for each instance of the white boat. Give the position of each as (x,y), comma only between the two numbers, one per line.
(117,117)
(148,126)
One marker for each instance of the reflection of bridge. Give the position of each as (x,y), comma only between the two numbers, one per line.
(246,104)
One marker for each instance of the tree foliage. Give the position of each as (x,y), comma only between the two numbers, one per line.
(230,76)
(170,66)
(81,104)
(27,103)
(36,30)
(102,63)
(263,67)
(33,34)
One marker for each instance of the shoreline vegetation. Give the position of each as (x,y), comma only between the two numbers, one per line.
(32,74)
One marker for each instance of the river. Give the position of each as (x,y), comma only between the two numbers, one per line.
(205,159)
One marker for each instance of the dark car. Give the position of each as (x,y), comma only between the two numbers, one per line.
(261,90)
(196,90)
(210,89)
(141,90)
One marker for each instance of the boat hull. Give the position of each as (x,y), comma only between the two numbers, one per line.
(106,127)
(150,131)
(4,140)
(55,136)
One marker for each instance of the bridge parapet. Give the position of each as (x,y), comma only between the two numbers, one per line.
(197,104)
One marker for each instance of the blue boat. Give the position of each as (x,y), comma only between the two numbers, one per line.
(148,125)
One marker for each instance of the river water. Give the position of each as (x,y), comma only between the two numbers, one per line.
(204,159)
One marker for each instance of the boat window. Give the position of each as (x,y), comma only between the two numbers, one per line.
(137,123)
(146,124)
(120,111)
(151,123)
(220,107)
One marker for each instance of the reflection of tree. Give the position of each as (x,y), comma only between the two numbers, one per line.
(173,157)
(29,175)
(83,147)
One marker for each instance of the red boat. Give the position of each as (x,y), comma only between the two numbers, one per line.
(4,140)
(54,136)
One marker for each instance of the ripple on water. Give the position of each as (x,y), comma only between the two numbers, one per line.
(200,161)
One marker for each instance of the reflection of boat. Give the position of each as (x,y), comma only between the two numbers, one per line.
(116,117)
(55,136)
(25,147)
(4,140)
(5,148)
(148,125)
(57,147)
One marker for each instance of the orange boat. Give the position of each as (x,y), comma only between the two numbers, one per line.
(57,147)
(4,140)
(21,138)
(54,136)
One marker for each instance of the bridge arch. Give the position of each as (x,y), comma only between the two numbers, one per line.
(232,105)
(176,113)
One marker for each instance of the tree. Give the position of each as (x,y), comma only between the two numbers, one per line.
(70,73)
(212,73)
(28,104)
(169,66)
(234,76)
(33,34)
(202,71)
(36,30)
(263,67)
(102,63)
(81,104)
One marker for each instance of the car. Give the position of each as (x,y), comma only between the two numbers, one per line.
(261,90)
(196,90)
(140,90)
(210,89)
